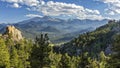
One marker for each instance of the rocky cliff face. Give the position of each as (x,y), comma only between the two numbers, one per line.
(13,33)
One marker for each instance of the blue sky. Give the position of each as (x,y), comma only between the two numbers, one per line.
(12,11)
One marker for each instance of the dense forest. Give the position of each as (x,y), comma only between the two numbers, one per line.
(96,49)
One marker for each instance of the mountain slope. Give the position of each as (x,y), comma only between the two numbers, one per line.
(56,28)
(93,42)
(2,29)
(50,29)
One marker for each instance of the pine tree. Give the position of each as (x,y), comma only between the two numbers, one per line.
(24,49)
(115,58)
(65,61)
(93,63)
(13,58)
(69,61)
(55,59)
(75,60)
(4,55)
(84,60)
(40,53)
(103,60)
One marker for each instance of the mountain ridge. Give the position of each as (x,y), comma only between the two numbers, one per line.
(58,27)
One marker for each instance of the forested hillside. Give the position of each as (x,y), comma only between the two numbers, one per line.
(95,41)
(96,49)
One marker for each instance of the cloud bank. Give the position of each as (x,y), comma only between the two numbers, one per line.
(113,6)
(51,8)
(32,15)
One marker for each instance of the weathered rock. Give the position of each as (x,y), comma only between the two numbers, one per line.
(13,33)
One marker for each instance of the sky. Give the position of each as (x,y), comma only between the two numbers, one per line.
(12,11)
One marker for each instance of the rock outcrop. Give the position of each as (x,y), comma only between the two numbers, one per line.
(13,33)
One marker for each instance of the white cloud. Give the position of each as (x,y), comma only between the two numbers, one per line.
(51,8)
(31,2)
(111,13)
(33,15)
(15,5)
(10,1)
(110,1)
(24,2)
(58,8)
(113,6)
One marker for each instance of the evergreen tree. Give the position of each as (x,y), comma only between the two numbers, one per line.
(114,62)
(103,60)
(55,59)
(65,61)
(69,62)
(4,55)
(13,58)
(84,60)
(75,60)
(24,50)
(40,53)
(93,63)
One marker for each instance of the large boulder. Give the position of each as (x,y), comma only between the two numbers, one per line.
(13,33)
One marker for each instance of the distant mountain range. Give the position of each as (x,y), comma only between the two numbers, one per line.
(55,27)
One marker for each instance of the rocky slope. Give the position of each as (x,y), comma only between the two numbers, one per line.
(13,33)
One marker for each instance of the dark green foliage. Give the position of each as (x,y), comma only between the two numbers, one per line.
(84,60)
(93,42)
(69,61)
(14,54)
(40,52)
(55,60)
(13,57)
(4,55)
(114,61)
(65,61)
(24,50)
(103,60)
